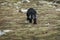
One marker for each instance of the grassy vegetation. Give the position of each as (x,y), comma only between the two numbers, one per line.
(48,27)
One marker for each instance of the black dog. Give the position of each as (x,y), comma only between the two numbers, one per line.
(31,15)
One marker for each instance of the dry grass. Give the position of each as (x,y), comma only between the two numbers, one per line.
(48,26)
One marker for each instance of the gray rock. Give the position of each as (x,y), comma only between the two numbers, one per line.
(25,1)
(2,32)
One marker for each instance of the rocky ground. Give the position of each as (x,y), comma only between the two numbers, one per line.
(48,27)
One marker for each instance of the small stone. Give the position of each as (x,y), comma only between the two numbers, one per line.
(58,9)
(26,21)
